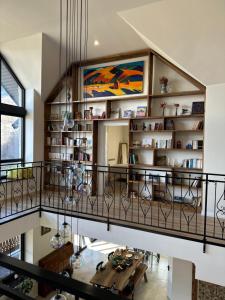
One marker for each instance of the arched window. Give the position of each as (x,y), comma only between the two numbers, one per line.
(12,115)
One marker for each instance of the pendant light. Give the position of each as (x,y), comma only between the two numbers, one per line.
(59,297)
(57,241)
(65,230)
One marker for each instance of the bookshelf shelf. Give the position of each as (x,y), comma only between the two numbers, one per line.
(113,99)
(71,131)
(61,103)
(167,130)
(178,149)
(162,184)
(195,116)
(65,146)
(178,94)
(72,161)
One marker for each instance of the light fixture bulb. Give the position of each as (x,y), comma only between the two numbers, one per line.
(56,241)
(96,43)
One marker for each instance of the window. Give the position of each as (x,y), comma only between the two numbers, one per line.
(13,247)
(12,115)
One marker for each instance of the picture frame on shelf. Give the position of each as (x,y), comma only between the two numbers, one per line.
(141,111)
(198,108)
(87,114)
(128,113)
(114,114)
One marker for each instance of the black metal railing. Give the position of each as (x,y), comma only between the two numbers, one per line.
(20,188)
(184,204)
(57,281)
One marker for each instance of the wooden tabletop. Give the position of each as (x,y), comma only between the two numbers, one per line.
(109,277)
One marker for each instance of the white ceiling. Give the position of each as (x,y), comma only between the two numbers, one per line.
(190,33)
(20,18)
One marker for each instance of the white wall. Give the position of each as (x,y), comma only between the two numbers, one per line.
(208,265)
(50,65)
(37,245)
(24,56)
(19,226)
(214,128)
(115,136)
(179,279)
(34,127)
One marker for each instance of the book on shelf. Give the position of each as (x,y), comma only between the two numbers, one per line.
(133,159)
(198,125)
(193,163)
(196,182)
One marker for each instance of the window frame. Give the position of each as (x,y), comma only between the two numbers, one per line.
(14,111)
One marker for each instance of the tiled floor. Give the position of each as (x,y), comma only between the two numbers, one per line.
(154,289)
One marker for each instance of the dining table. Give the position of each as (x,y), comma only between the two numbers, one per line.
(110,277)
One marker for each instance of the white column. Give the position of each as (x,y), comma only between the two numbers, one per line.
(180,279)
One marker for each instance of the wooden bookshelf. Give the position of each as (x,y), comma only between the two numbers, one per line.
(183,123)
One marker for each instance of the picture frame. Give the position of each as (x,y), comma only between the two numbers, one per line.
(128,113)
(198,108)
(120,78)
(45,230)
(114,114)
(141,111)
(87,114)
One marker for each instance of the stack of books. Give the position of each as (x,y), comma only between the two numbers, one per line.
(194,163)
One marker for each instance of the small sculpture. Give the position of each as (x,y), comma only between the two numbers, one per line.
(163,84)
(176,106)
(163,106)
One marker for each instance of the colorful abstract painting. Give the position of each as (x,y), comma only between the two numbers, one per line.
(114,80)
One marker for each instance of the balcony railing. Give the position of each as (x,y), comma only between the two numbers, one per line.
(184,204)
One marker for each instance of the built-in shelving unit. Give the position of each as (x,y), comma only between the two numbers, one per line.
(170,140)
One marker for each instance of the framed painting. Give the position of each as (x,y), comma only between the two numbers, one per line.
(117,79)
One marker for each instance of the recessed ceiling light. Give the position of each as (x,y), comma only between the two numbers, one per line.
(96,43)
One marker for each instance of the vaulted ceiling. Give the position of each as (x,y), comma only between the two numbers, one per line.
(20,18)
(190,33)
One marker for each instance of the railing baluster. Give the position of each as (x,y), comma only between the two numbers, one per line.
(205,214)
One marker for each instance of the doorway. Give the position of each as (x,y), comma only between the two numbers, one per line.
(117,145)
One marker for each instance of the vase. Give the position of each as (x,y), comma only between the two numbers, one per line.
(163,88)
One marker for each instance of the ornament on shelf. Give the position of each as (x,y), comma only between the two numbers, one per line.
(144,127)
(163,84)
(176,106)
(163,106)
(91,112)
(68,95)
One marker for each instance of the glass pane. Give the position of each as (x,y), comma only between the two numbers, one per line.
(11,93)
(11,129)
(11,247)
